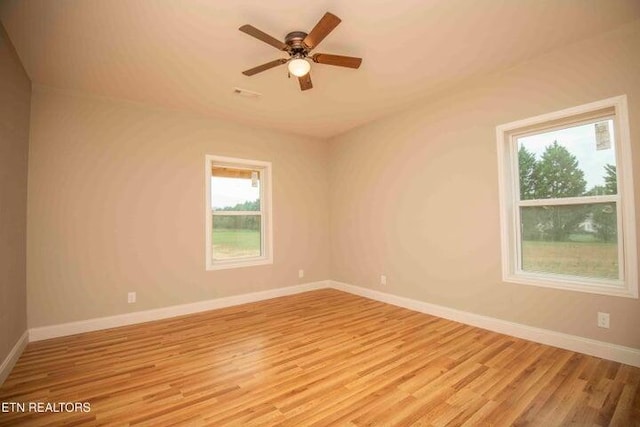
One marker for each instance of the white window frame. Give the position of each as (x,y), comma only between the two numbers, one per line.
(627,285)
(266,226)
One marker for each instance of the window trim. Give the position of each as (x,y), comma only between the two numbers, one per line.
(265,216)
(509,185)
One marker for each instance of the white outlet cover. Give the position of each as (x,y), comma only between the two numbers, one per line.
(301,273)
(383,279)
(131,297)
(603,320)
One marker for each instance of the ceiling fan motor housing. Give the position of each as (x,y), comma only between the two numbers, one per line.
(295,41)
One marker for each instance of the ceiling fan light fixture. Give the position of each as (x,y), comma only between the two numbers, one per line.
(299,67)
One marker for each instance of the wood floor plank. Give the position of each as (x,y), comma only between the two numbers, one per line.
(320,358)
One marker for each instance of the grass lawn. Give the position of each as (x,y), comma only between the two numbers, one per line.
(229,243)
(587,259)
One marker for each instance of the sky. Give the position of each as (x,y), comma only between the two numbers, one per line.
(579,141)
(231,191)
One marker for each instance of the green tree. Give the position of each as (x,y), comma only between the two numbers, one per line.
(527,171)
(610,179)
(596,190)
(527,168)
(244,206)
(605,221)
(558,175)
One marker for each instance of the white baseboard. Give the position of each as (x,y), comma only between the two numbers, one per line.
(617,353)
(604,350)
(9,362)
(64,329)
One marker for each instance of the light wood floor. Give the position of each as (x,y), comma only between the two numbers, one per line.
(318,358)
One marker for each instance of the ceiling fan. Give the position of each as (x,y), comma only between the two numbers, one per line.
(298,45)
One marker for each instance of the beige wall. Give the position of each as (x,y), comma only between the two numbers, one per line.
(15,96)
(415,196)
(116,204)
(116,199)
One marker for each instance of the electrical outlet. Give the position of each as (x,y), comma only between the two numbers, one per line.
(131,297)
(383,279)
(603,320)
(300,274)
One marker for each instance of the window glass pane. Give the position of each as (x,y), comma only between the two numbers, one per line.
(576,240)
(236,236)
(570,162)
(235,189)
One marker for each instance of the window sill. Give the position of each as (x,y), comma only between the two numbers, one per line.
(224,265)
(613,288)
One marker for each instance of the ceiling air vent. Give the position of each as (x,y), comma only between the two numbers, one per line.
(246,93)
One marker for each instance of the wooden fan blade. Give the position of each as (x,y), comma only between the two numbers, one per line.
(305,82)
(254,32)
(264,67)
(339,60)
(328,22)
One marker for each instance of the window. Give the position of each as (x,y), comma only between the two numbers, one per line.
(238,213)
(566,196)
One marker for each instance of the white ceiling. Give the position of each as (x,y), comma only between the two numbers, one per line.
(189,54)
